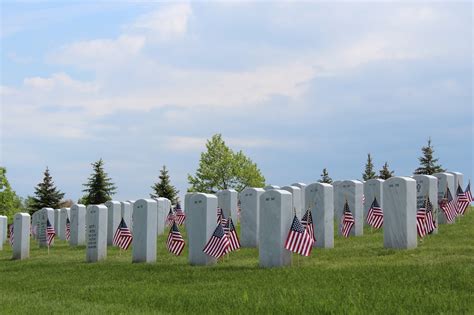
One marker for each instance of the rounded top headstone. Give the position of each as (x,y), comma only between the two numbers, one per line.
(269,187)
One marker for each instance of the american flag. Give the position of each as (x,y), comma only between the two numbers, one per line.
(170,218)
(430,222)
(448,206)
(50,232)
(175,242)
(122,237)
(68,229)
(180,216)
(347,221)
(220,214)
(229,230)
(375,215)
(12,234)
(298,240)
(307,221)
(468,192)
(218,244)
(462,202)
(421,226)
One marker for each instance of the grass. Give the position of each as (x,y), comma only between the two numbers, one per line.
(358,276)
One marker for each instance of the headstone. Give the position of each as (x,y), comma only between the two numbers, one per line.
(227,201)
(427,186)
(64,213)
(269,187)
(43,215)
(96,235)
(187,200)
(78,225)
(350,190)
(335,186)
(163,210)
(373,188)
(114,216)
(145,213)
(201,218)
(444,180)
(21,241)
(302,187)
(57,220)
(126,212)
(399,213)
(296,197)
(3,228)
(320,199)
(276,216)
(249,216)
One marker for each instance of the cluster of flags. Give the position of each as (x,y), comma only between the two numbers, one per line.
(177,215)
(224,239)
(453,208)
(301,238)
(464,199)
(425,223)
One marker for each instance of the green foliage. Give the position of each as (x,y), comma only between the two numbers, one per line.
(221,168)
(164,188)
(369,169)
(46,194)
(428,164)
(10,203)
(99,187)
(385,173)
(325,177)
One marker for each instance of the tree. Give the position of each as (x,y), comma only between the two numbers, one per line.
(164,188)
(369,169)
(385,173)
(220,168)
(99,187)
(325,177)
(10,203)
(46,194)
(428,164)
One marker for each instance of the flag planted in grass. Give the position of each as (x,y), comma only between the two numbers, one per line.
(463,201)
(175,242)
(170,218)
(50,232)
(218,244)
(68,229)
(307,222)
(229,230)
(179,213)
(468,193)
(122,237)
(448,206)
(298,240)
(375,215)
(347,221)
(12,234)
(421,227)
(220,215)
(430,222)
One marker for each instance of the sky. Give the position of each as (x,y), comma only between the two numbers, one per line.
(298,86)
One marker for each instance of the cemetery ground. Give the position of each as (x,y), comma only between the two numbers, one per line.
(357,276)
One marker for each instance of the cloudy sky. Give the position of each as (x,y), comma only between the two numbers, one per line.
(296,86)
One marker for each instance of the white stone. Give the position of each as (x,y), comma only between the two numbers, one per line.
(350,190)
(249,216)
(444,180)
(126,212)
(145,213)
(269,187)
(276,216)
(78,225)
(187,200)
(302,186)
(43,215)
(21,241)
(57,220)
(373,188)
(320,199)
(296,197)
(114,216)
(3,229)
(201,218)
(34,224)
(96,236)
(163,210)
(335,186)
(427,186)
(227,201)
(64,213)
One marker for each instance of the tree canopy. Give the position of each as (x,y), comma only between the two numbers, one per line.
(325,177)
(163,187)
(428,164)
(10,203)
(99,187)
(385,172)
(46,194)
(369,169)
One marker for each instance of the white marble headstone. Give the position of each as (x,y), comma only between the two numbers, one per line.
(63,215)
(444,180)
(302,186)
(427,186)
(3,229)
(114,216)
(78,225)
(227,201)
(126,213)
(187,199)
(296,197)
(21,241)
(34,224)
(43,215)
(57,220)
(373,188)
(249,216)
(335,186)
(399,213)
(276,216)
(352,190)
(163,210)
(270,187)
(145,214)
(96,235)
(320,199)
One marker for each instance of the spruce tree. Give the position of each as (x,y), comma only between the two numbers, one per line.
(325,177)
(99,187)
(428,164)
(369,169)
(164,188)
(385,173)
(46,194)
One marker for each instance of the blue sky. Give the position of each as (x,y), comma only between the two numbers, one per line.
(296,86)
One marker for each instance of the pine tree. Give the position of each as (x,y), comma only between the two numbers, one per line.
(99,187)
(325,177)
(428,164)
(164,188)
(385,173)
(46,194)
(369,169)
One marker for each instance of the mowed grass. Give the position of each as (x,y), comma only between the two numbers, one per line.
(357,276)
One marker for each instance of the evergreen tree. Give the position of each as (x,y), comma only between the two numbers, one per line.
(369,169)
(325,177)
(164,188)
(10,203)
(385,173)
(99,187)
(46,194)
(428,164)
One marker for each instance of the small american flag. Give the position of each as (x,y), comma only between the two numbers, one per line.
(468,192)
(347,221)
(218,244)
(430,222)
(307,221)
(462,202)
(421,227)
(298,240)
(220,214)
(12,234)
(175,242)
(50,232)
(180,216)
(448,206)
(229,230)
(122,237)
(170,218)
(68,229)
(375,215)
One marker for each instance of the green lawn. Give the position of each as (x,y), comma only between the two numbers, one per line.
(357,276)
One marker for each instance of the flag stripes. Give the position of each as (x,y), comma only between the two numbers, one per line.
(375,215)
(462,201)
(448,206)
(175,242)
(50,232)
(218,244)
(348,221)
(180,215)
(68,229)
(122,237)
(12,234)
(298,240)
(307,221)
